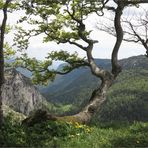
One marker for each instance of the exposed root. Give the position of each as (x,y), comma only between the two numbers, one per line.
(41,116)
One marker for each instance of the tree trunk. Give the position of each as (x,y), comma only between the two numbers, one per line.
(97,99)
(84,116)
(1,74)
(2,33)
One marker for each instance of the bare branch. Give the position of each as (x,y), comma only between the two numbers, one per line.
(78,45)
(135,29)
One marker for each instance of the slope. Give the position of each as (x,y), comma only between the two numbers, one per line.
(77,86)
(71,88)
(127,98)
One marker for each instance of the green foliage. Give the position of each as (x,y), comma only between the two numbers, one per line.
(1,4)
(11,7)
(41,70)
(72,134)
(21,39)
(8,51)
(72,60)
(58,21)
(112,137)
(136,136)
(44,134)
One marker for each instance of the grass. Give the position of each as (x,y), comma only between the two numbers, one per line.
(129,136)
(73,135)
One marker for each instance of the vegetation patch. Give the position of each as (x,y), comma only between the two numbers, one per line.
(72,134)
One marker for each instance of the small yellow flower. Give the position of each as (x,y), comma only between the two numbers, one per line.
(69,122)
(88,130)
(138,141)
(76,123)
(80,126)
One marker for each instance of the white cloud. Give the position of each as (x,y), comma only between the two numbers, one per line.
(101,50)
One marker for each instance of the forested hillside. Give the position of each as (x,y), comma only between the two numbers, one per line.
(81,82)
(74,87)
(127,99)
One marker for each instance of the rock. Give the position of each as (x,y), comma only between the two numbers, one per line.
(20,94)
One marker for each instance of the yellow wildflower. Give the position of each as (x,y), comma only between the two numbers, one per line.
(88,130)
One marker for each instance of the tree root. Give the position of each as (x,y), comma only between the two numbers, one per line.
(41,116)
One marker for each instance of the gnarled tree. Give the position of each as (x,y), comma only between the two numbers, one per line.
(64,22)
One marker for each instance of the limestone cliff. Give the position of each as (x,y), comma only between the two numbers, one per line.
(20,94)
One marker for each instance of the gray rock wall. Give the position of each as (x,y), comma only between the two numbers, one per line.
(20,94)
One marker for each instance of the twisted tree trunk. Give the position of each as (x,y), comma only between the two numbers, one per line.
(99,95)
(97,99)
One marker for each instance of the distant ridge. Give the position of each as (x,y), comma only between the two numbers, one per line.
(80,82)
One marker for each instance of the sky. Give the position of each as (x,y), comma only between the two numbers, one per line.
(102,49)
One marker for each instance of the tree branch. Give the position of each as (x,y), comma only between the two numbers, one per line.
(78,45)
(81,29)
(2,33)
(116,68)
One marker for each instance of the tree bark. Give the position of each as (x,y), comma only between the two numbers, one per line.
(98,97)
(2,33)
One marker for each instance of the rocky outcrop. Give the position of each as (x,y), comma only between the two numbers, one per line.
(20,94)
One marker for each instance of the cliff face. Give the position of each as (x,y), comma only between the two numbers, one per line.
(20,94)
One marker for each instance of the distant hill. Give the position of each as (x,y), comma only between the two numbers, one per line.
(66,89)
(128,98)
(129,93)
(140,61)
(77,86)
